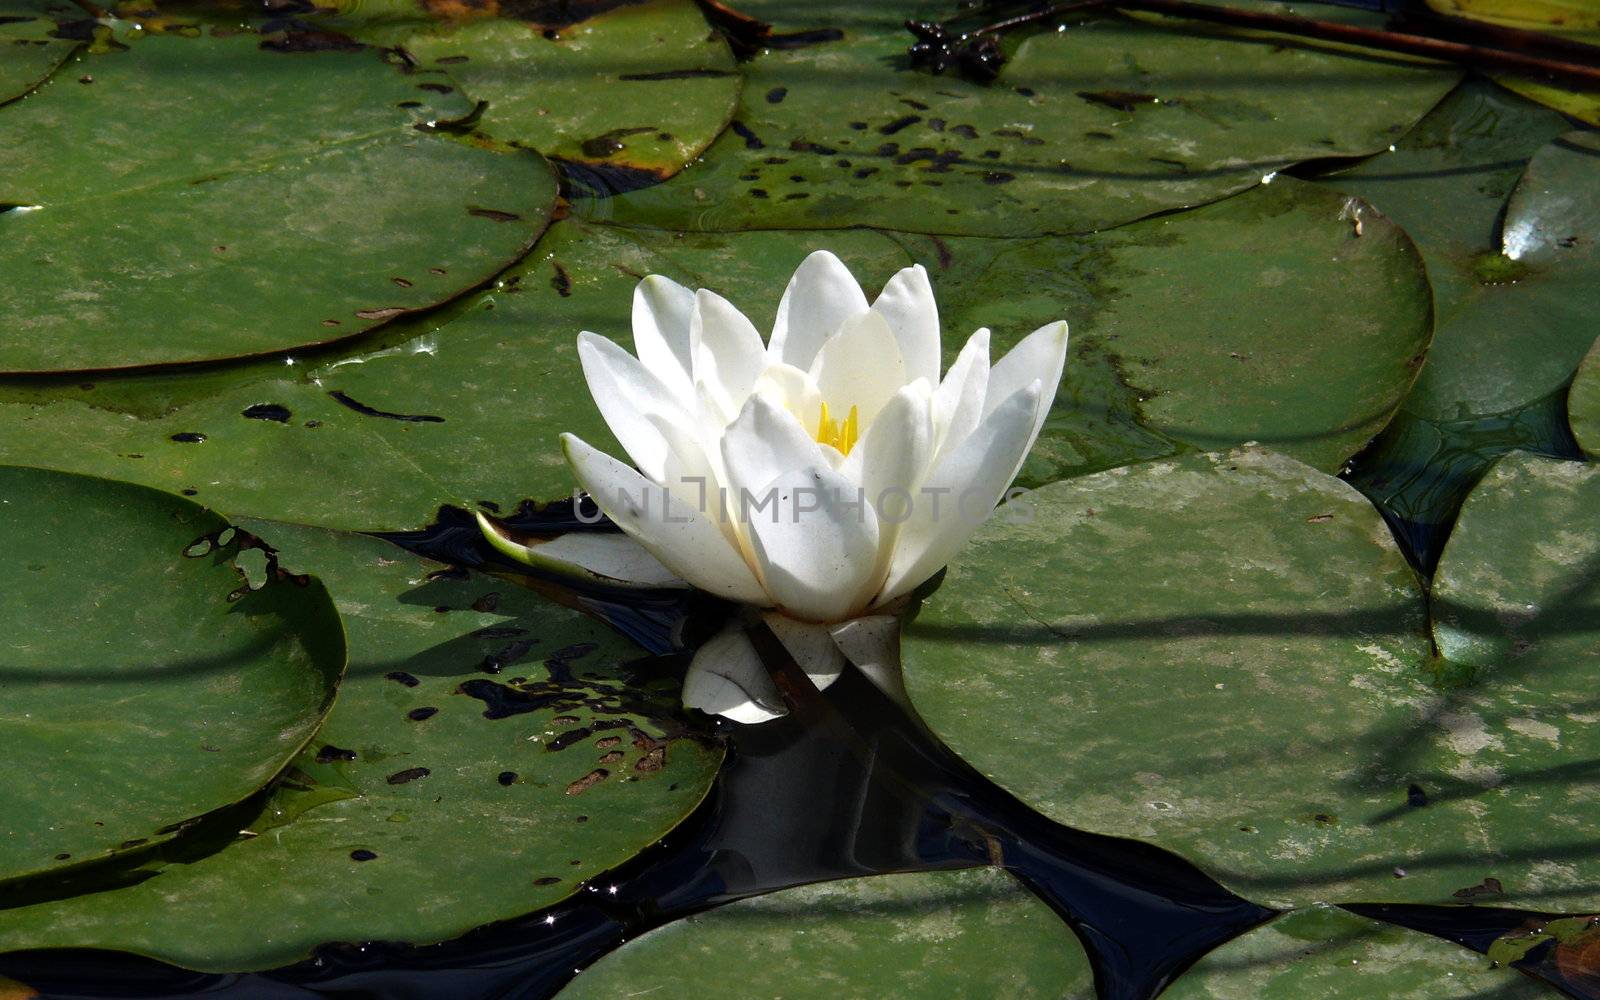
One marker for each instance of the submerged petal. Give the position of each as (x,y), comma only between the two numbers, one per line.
(967,483)
(821,295)
(811,645)
(691,545)
(727,678)
(907,303)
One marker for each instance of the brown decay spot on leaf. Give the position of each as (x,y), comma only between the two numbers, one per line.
(384,313)
(588,781)
(1319,518)
(1488,887)
(494,214)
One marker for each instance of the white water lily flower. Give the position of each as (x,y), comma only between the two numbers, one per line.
(818,477)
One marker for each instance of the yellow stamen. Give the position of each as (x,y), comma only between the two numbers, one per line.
(830,432)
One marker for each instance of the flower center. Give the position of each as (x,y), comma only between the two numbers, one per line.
(839,435)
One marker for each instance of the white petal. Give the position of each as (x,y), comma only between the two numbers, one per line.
(727,678)
(816,544)
(958,402)
(860,367)
(820,297)
(976,474)
(661,312)
(907,303)
(690,545)
(811,645)
(794,390)
(728,353)
(872,643)
(1041,355)
(589,555)
(764,442)
(890,463)
(626,395)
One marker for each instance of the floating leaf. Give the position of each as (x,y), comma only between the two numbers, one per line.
(471,411)
(1297,332)
(845,133)
(635,93)
(1577,20)
(949,934)
(1514,299)
(144,675)
(1329,954)
(442,793)
(1261,318)
(29,52)
(1583,402)
(1224,655)
(240,201)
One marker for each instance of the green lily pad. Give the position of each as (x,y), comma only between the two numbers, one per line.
(1109,121)
(970,933)
(468,411)
(1514,298)
(28,51)
(143,675)
(1224,654)
(1516,604)
(1583,402)
(635,93)
(1329,954)
(289,214)
(437,796)
(1576,20)
(1300,334)
(1260,318)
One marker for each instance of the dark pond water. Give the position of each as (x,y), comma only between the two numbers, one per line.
(848,785)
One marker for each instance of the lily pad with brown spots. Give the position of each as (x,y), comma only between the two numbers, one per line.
(1109,121)
(147,679)
(188,199)
(1259,318)
(488,752)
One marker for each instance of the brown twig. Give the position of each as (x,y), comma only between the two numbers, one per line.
(1511,53)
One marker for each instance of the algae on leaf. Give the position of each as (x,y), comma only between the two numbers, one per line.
(966,934)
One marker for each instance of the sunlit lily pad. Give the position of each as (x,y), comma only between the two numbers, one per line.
(1583,402)
(1333,955)
(142,678)
(240,201)
(1107,122)
(1299,333)
(1262,318)
(1516,604)
(962,934)
(1225,655)
(1511,253)
(635,93)
(439,795)
(1574,20)
(29,52)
